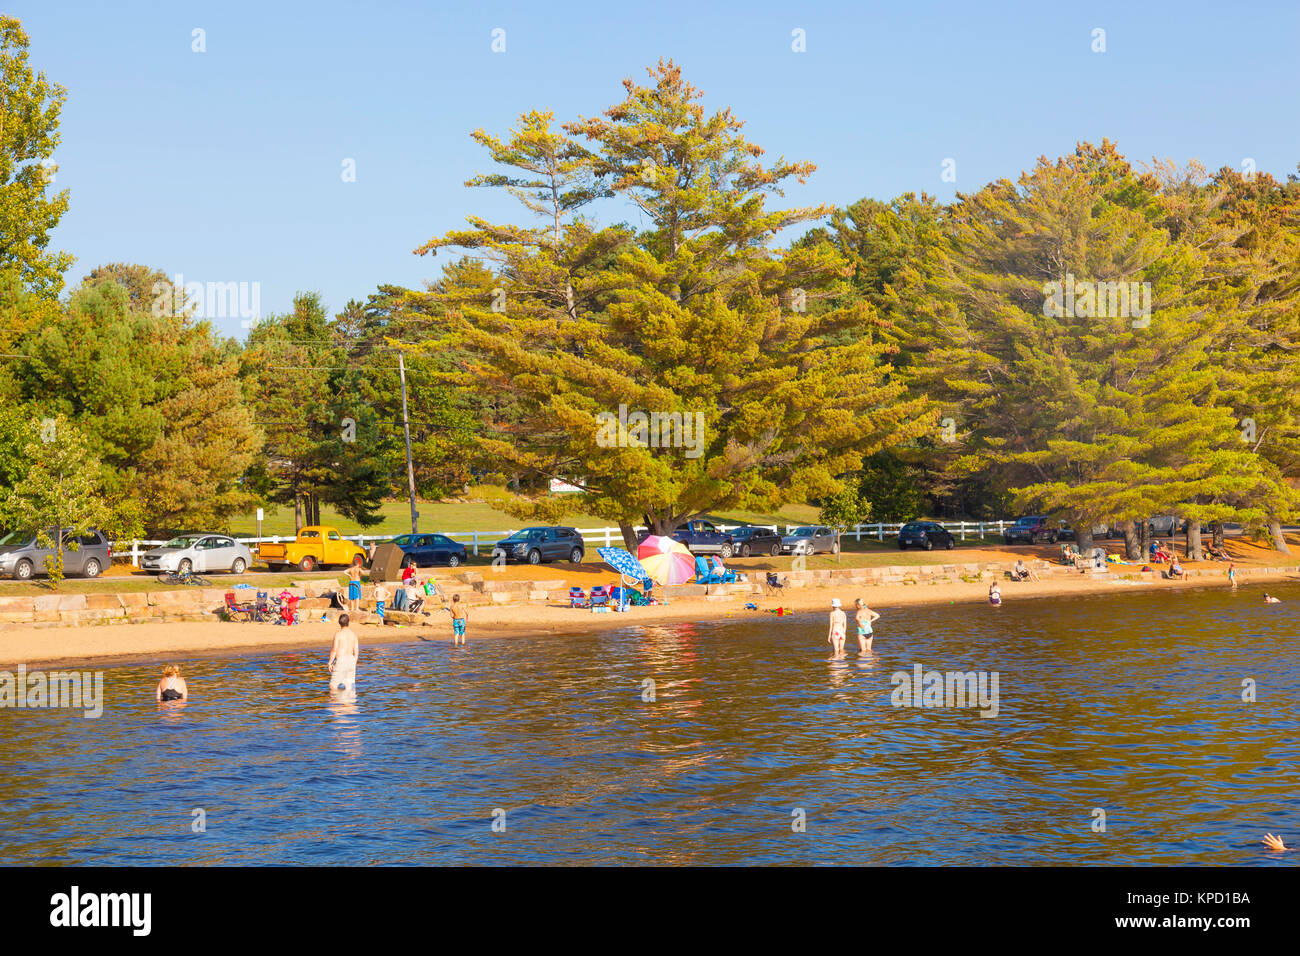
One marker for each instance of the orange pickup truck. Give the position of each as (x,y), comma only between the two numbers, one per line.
(317,546)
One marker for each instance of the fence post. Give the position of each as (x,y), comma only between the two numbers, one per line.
(476,544)
(857,533)
(963,529)
(880,531)
(981,530)
(609,541)
(135,553)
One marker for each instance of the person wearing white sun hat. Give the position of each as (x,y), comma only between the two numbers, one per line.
(839,627)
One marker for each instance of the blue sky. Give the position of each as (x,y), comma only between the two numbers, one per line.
(226,165)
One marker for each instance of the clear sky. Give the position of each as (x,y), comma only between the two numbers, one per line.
(226,165)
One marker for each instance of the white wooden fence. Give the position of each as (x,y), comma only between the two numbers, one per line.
(601,537)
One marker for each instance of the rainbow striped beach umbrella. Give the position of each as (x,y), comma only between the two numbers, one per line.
(666,561)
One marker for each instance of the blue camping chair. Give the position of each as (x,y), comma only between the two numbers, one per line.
(599,596)
(577,597)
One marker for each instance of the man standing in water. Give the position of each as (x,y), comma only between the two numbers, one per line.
(343,657)
(839,627)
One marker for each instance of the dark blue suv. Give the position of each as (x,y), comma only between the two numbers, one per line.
(923,534)
(426,550)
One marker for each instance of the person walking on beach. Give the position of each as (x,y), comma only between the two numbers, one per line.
(343,657)
(864,617)
(1232,574)
(839,627)
(172,686)
(459,618)
(354,587)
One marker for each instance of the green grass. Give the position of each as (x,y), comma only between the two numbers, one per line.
(123,584)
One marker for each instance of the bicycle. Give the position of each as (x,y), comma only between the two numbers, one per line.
(184,577)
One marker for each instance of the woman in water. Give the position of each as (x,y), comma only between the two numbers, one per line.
(995,594)
(864,618)
(839,628)
(172,686)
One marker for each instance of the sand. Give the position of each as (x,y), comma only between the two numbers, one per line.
(167,641)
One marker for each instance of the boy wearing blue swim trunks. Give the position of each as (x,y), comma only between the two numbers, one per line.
(354,588)
(459,618)
(864,618)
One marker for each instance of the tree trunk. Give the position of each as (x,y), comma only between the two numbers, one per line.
(629,535)
(1194,541)
(1144,539)
(315,509)
(1217,529)
(1279,540)
(1132,544)
(297,511)
(1083,538)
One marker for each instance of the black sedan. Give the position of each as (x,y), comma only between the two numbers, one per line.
(750,540)
(924,534)
(426,550)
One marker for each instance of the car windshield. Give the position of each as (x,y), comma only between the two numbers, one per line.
(405,540)
(15,537)
(911,527)
(801,533)
(184,541)
(528,534)
(743,532)
(1026,522)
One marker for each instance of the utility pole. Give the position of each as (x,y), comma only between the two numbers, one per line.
(406,428)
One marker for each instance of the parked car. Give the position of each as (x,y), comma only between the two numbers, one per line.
(316,546)
(22,555)
(924,534)
(535,545)
(811,539)
(1165,525)
(200,552)
(426,550)
(751,540)
(702,536)
(1031,529)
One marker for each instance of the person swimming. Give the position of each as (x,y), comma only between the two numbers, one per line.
(172,686)
(1269,599)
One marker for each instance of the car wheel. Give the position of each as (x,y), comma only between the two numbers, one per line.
(23,570)
(91,570)
(901,546)
(775,550)
(308,563)
(534,557)
(239,566)
(185,567)
(359,560)
(1051,539)
(453,560)
(575,556)
(744,550)
(929,545)
(835,547)
(725,552)
(949,546)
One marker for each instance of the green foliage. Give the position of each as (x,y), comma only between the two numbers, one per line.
(845,508)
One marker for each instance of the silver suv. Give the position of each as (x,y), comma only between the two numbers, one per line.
(22,556)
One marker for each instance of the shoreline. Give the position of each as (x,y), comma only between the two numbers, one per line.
(125,644)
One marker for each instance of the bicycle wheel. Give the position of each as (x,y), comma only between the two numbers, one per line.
(169,577)
(199,582)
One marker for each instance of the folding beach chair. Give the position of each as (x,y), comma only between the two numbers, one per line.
(704,574)
(236,611)
(599,596)
(577,597)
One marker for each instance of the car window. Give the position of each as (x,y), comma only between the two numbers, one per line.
(334,536)
(310,534)
(226,543)
(440,541)
(404,540)
(89,540)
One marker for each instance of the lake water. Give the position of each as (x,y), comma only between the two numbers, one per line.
(1130,703)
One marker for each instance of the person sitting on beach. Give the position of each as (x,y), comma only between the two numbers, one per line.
(408,574)
(1176,569)
(1158,553)
(995,594)
(172,686)
(839,626)
(864,617)
(343,657)
(459,619)
(1022,571)
(1216,554)
(1269,599)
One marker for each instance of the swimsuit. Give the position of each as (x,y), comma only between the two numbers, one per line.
(379,608)
(354,591)
(345,674)
(170,695)
(458,626)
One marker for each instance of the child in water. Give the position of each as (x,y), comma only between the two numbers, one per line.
(995,594)
(343,657)
(864,618)
(172,686)
(459,618)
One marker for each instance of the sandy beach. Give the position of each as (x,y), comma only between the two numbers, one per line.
(22,643)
